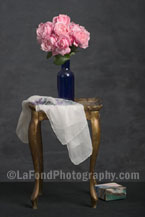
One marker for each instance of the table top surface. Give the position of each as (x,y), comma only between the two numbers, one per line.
(90,104)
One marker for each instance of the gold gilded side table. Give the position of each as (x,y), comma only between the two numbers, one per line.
(92,107)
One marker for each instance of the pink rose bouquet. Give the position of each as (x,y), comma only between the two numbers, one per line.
(61,38)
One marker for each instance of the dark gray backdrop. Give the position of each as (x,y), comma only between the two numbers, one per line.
(112,68)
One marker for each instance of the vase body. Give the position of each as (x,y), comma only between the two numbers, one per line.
(65,82)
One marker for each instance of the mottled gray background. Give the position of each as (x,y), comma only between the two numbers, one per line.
(113,68)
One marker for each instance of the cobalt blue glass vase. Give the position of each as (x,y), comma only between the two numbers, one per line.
(65,82)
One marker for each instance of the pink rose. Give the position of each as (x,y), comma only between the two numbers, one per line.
(62,46)
(44,30)
(62,19)
(53,40)
(74,27)
(49,44)
(61,29)
(46,46)
(80,35)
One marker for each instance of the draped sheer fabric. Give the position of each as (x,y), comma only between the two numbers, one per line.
(68,121)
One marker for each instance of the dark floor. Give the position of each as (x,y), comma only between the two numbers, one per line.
(68,199)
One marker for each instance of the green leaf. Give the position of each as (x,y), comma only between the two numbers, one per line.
(73,48)
(49,54)
(72,53)
(59,59)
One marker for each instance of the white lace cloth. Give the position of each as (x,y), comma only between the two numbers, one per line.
(68,121)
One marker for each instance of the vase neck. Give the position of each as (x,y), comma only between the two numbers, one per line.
(66,65)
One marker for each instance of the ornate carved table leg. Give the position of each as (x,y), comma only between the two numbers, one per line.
(95,122)
(37,155)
